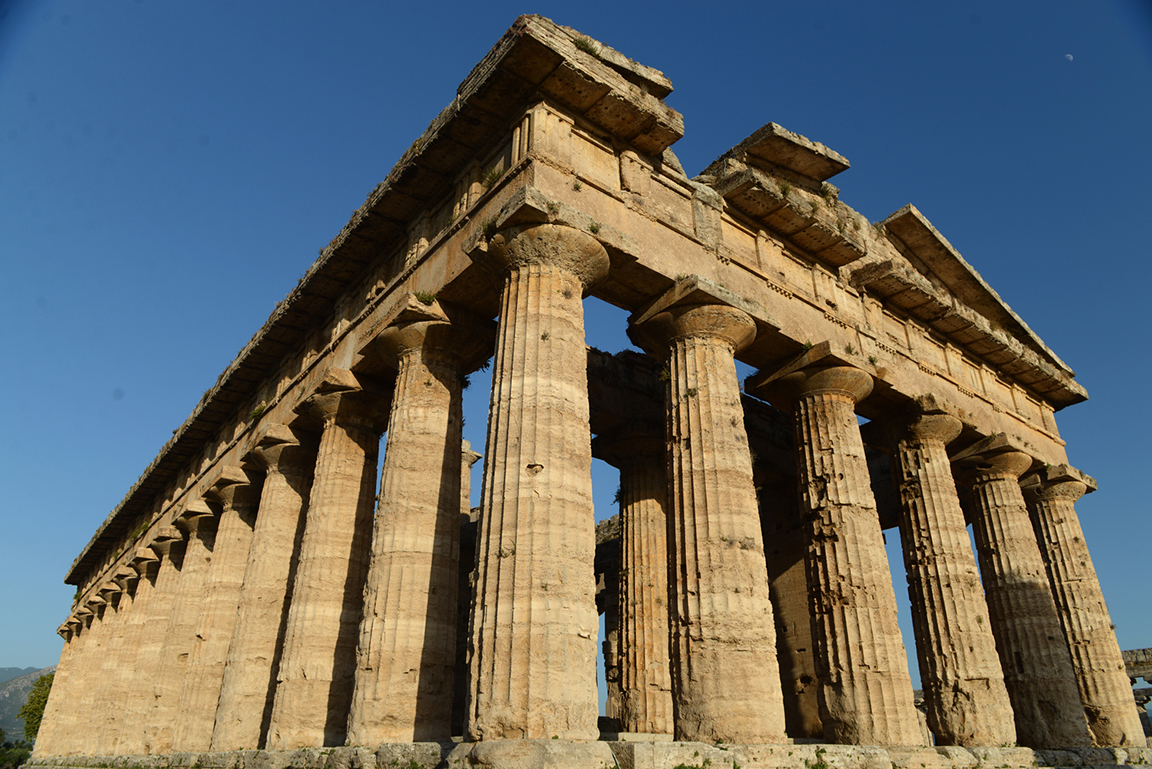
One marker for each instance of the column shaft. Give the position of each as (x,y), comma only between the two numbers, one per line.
(533,663)
(247,688)
(217,616)
(1033,653)
(866,690)
(1104,687)
(107,721)
(180,633)
(725,679)
(315,679)
(967,702)
(146,566)
(645,667)
(48,738)
(406,656)
(784,550)
(140,699)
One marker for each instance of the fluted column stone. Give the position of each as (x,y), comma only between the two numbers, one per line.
(119,656)
(316,673)
(169,547)
(71,729)
(725,680)
(865,688)
(48,737)
(247,688)
(645,665)
(784,552)
(406,657)
(199,523)
(100,667)
(532,671)
(965,697)
(140,581)
(237,499)
(1033,653)
(1105,690)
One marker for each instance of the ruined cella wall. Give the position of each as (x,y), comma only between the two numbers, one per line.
(260,588)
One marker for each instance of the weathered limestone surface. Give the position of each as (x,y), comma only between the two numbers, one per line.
(48,738)
(534,620)
(238,499)
(246,691)
(140,582)
(645,669)
(784,549)
(1100,673)
(866,691)
(726,683)
(1033,654)
(102,663)
(967,702)
(405,660)
(112,671)
(199,524)
(169,547)
(315,677)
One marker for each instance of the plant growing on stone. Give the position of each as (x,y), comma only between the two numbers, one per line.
(577,186)
(491,176)
(425,297)
(587,46)
(594,227)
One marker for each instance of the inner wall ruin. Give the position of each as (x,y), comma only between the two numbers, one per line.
(260,595)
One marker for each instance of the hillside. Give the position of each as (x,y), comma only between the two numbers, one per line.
(13,694)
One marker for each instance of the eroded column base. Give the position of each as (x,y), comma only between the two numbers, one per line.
(624,754)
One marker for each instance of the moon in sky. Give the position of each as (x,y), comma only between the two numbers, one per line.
(1068,56)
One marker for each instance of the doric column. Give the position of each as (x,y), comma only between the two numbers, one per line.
(199,526)
(70,729)
(861,663)
(468,457)
(784,551)
(405,661)
(1033,653)
(101,669)
(246,691)
(725,679)
(138,579)
(315,679)
(1105,690)
(47,738)
(119,654)
(966,701)
(533,664)
(168,545)
(237,498)
(645,667)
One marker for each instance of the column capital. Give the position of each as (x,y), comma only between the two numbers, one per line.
(719,322)
(233,488)
(440,331)
(165,540)
(279,449)
(815,371)
(632,444)
(1060,481)
(997,456)
(340,398)
(193,517)
(553,245)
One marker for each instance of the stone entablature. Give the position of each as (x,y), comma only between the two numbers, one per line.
(550,179)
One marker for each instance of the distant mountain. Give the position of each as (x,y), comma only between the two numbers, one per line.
(7,674)
(13,694)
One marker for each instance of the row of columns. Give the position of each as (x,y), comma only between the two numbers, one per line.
(340,627)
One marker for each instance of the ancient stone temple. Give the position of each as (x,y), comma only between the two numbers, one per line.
(261,597)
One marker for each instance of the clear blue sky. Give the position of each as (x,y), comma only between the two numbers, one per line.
(168,171)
